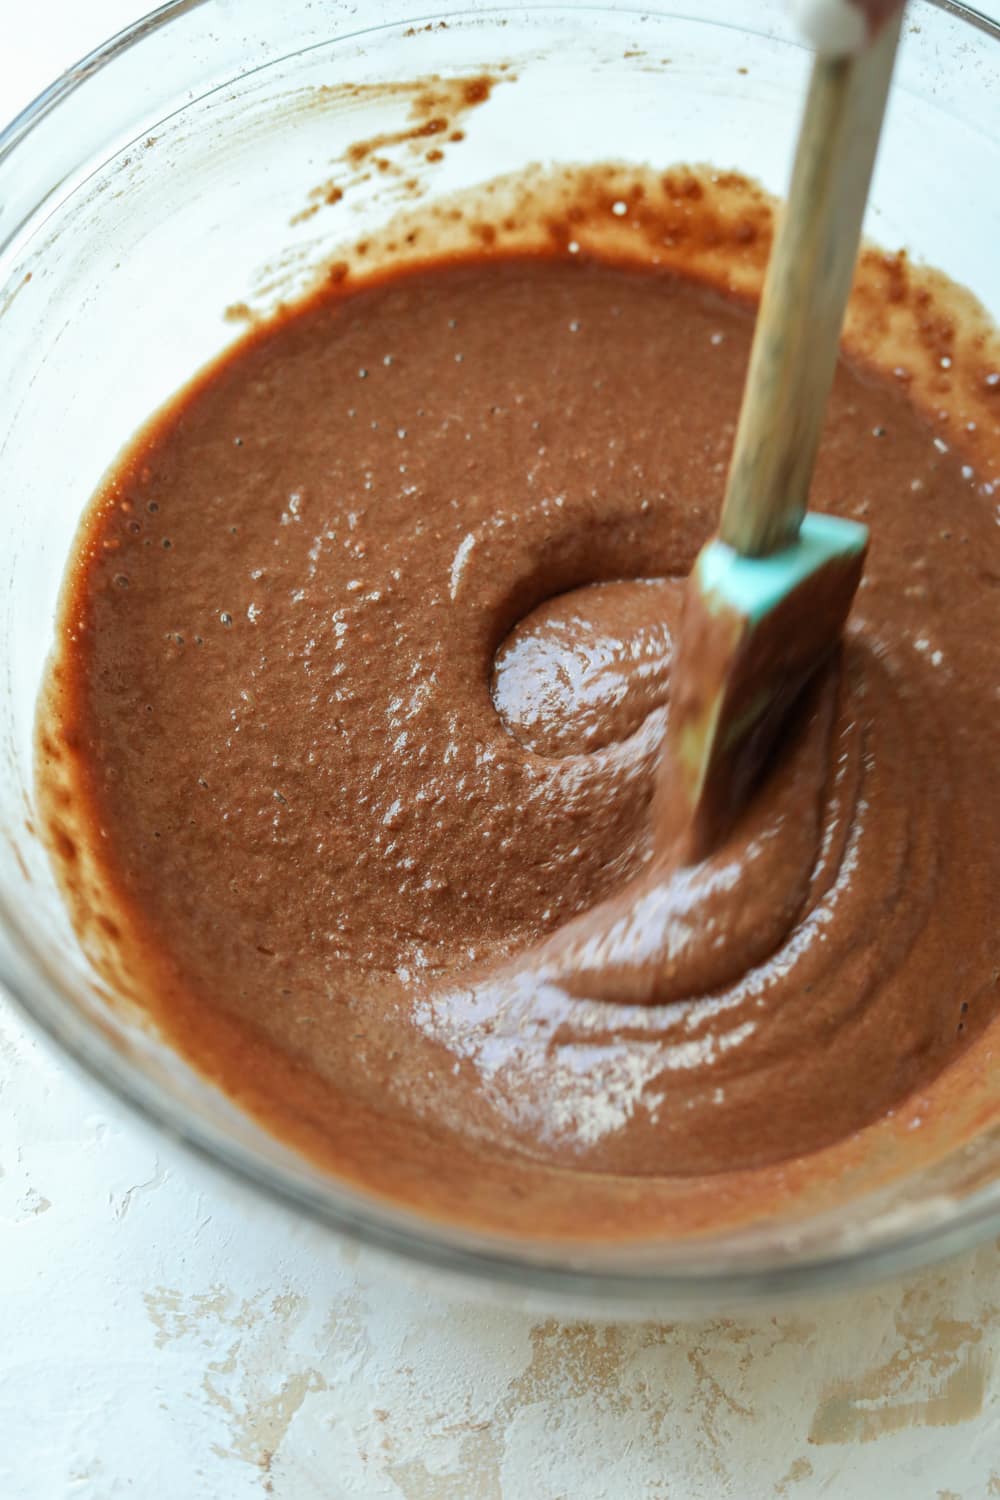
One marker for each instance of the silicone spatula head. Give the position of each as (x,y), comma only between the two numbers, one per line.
(753,632)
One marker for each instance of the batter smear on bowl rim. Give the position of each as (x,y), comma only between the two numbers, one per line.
(350,736)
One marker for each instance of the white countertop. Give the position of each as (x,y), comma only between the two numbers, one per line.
(163,1333)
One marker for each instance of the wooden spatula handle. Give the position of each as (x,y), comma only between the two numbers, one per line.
(802,309)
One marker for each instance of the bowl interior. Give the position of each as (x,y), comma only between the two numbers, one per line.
(180,174)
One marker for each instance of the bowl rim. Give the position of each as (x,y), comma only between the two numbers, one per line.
(32,985)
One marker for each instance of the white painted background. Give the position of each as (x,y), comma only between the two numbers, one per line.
(164,1335)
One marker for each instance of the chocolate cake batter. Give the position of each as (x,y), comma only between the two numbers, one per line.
(350,744)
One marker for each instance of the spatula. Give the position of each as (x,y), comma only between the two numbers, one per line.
(768,596)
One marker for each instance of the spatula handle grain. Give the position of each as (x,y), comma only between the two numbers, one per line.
(805,293)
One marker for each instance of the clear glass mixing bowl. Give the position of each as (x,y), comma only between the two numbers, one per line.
(151,188)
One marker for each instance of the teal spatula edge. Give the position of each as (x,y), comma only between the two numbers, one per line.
(754,586)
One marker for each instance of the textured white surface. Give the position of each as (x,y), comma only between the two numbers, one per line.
(162,1333)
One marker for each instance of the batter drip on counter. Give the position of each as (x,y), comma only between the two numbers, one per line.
(350,740)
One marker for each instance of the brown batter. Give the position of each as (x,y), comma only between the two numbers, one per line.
(349,750)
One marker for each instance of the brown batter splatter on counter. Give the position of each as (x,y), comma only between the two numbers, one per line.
(349,745)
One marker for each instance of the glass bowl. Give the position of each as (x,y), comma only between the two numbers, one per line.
(169,177)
